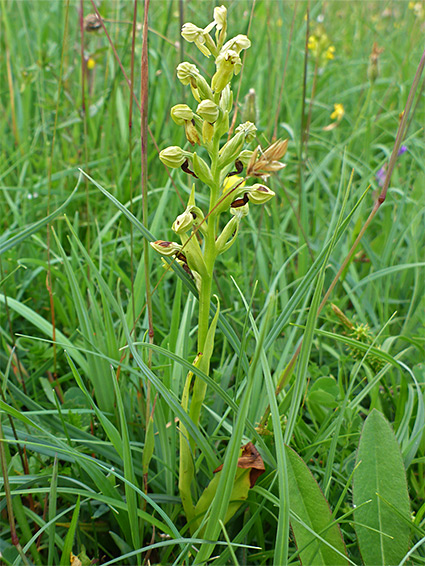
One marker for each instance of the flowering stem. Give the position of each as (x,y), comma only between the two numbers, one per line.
(210,254)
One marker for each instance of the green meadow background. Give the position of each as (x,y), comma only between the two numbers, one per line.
(80,471)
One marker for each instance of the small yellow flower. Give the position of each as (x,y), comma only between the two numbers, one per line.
(312,43)
(91,63)
(330,52)
(338,112)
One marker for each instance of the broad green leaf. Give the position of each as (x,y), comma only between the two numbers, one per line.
(380,479)
(239,494)
(315,526)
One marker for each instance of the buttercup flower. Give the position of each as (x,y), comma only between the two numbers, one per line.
(338,112)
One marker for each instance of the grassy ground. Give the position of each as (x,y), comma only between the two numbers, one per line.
(75,398)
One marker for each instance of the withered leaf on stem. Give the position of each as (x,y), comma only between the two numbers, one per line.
(250,458)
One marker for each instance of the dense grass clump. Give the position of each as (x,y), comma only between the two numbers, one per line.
(317,364)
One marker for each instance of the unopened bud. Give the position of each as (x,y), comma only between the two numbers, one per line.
(259,194)
(187,73)
(226,99)
(174,156)
(203,88)
(248,129)
(208,111)
(228,235)
(201,170)
(230,150)
(181,113)
(249,111)
(220,17)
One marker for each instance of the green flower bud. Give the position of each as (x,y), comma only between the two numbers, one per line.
(259,194)
(248,129)
(228,235)
(226,99)
(187,73)
(181,113)
(203,88)
(237,44)
(208,111)
(201,170)
(249,110)
(174,156)
(231,149)
(228,63)
(166,248)
(220,18)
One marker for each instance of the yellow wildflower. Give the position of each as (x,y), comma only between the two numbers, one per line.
(338,112)
(91,63)
(330,52)
(312,43)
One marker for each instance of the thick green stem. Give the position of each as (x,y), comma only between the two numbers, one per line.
(205,345)
(210,254)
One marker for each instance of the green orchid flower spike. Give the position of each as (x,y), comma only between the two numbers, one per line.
(223,165)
